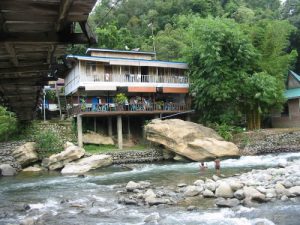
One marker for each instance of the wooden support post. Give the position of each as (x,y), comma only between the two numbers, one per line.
(95,124)
(79,130)
(120,136)
(110,133)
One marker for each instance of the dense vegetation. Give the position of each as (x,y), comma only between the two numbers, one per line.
(239,51)
(8,123)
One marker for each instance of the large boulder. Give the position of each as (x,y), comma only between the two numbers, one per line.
(7,170)
(87,164)
(189,139)
(59,160)
(224,190)
(25,154)
(97,139)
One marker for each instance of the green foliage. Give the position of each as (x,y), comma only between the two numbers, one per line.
(121,98)
(226,131)
(8,124)
(48,142)
(220,57)
(50,95)
(271,39)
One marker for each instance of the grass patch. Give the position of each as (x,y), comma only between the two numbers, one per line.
(95,149)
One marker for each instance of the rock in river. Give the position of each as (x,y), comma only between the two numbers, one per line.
(59,160)
(189,139)
(25,154)
(87,164)
(7,170)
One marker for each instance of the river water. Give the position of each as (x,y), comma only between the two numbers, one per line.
(71,200)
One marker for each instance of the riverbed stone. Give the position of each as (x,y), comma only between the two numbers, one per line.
(199,183)
(192,190)
(221,202)
(239,194)
(189,139)
(210,185)
(59,160)
(253,195)
(235,185)
(152,218)
(7,170)
(208,194)
(131,185)
(33,169)
(295,190)
(97,139)
(281,190)
(86,164)
(25,154)
(224,190)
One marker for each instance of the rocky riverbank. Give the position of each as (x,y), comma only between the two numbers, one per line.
(248,189)
(268,141)
(6,156)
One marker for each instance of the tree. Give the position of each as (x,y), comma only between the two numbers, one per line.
(271,39)
(8,123)
(220,58)
(261,93)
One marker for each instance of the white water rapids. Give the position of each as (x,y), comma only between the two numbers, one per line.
(71,200)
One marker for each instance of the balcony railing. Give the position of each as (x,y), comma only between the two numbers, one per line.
(136,78)
(111,107)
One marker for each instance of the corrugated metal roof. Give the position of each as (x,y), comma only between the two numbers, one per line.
(296,76)
(132,62)
(292,93)
(119,51)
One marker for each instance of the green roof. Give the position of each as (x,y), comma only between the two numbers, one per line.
(296,76)
(292,93)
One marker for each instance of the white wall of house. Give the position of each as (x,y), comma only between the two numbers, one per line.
(92,76)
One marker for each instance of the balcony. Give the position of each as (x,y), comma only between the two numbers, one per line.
(136,78)
(140,108)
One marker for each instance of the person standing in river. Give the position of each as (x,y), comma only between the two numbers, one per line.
(202,168)
(217,166)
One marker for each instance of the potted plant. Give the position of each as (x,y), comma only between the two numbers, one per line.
(121,99)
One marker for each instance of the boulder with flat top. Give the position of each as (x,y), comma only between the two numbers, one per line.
(97,139)
(26,154)
(191,140)
(86,164)
(59,160)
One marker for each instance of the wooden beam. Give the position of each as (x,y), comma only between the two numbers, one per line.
(88,32)
(51,51)
(11,51)
(43,37)
(25,69)
(65,6)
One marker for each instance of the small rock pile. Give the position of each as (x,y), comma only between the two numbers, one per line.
(249,189)
(122,157)
(6,157)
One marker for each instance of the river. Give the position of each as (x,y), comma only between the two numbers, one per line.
(71,200)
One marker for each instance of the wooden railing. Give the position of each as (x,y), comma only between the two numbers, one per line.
(136,78)
(110,107)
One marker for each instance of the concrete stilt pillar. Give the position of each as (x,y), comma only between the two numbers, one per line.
(95,124)
(110,133)
(128,128)
(120,135)
(188,117)
(79,130)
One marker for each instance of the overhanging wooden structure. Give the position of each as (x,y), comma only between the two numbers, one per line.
(34,35)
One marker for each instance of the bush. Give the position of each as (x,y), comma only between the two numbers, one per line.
(8,124)
(48,142)
(226,131)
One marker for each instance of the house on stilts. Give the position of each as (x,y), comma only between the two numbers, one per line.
(118,91)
